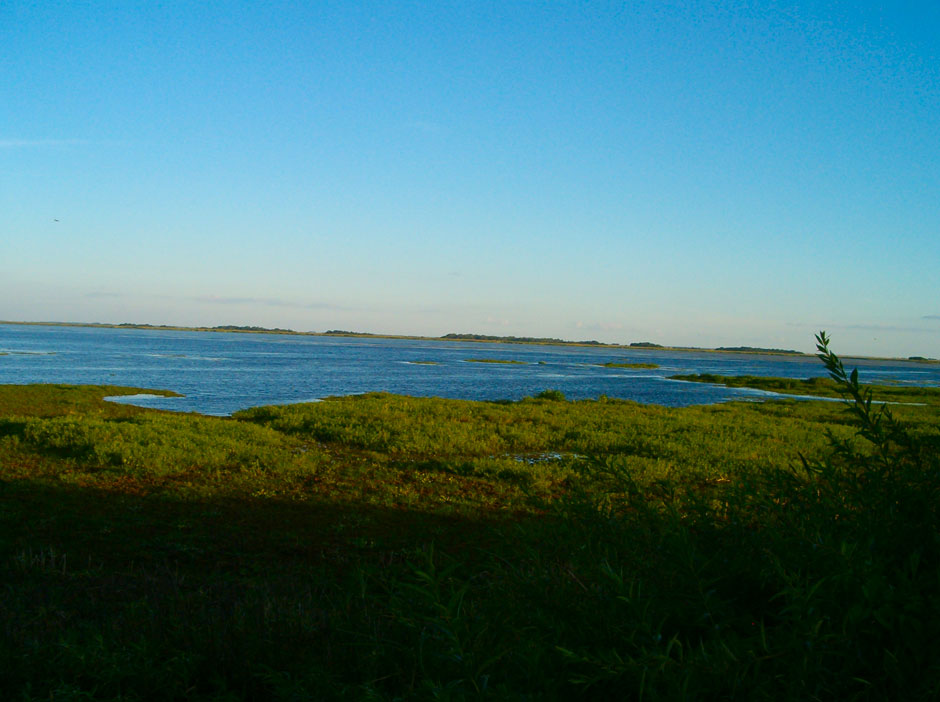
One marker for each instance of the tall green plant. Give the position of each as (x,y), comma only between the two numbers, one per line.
(890,440)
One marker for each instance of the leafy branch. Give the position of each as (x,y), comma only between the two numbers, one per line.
(879,426)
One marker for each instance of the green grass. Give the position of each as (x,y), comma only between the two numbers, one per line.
(386,547)
(819,387)
(614,364)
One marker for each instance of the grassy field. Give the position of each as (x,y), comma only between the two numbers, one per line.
(385,547)
(819,387)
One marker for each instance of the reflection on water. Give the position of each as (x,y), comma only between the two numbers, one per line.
(219,373)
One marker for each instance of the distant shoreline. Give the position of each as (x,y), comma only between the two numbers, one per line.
(474,338)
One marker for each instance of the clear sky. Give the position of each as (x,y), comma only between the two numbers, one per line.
(708,174)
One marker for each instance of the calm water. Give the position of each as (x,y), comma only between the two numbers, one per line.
(220,373)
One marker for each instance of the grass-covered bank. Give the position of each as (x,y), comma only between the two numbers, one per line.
(820,387)
(386,547)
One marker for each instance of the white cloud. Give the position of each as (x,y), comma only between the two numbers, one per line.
(267,302)
(428,127)
(866,327)
(37,143)
(600,326)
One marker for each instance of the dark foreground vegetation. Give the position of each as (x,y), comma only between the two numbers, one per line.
(384,547)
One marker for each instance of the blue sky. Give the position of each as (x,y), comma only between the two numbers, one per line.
(686,173)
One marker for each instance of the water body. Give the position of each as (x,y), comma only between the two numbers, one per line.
(219,373)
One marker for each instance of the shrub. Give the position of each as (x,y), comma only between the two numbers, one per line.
(553,395)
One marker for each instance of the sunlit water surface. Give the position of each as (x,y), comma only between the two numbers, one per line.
(219,373)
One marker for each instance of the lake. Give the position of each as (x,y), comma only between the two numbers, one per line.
(219,373)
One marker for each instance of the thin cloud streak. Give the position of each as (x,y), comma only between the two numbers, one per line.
(38,143)
(269,302)
(427,127)
(600,326)
(866,327)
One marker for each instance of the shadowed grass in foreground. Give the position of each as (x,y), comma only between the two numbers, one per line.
(384,547)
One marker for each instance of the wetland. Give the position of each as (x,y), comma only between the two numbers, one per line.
(383,546)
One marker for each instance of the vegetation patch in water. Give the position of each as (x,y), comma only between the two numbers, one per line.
(819,387)
(495,360)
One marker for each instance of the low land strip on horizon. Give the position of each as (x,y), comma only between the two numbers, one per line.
(477,338)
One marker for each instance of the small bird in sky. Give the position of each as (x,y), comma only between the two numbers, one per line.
(55,220)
